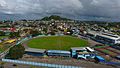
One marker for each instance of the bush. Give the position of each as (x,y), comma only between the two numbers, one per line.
(16,52)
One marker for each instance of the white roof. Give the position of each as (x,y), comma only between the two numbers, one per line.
(105,34)
(115,38)
(58,51)
(90,49)
(78,48)
(35,50)
(93,32)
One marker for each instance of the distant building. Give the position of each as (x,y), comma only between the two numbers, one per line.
(82,52)
(104,37)
(74,51)
(108,38)
(85,55)
(58,53)
(118,57)
(99,59)
(35,52)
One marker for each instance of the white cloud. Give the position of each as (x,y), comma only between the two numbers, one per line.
(2,3)
(40,6)
(102,8)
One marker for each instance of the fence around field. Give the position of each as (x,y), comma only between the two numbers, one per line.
(39,64)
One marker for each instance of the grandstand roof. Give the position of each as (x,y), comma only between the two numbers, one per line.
(93,32)
(105,34)
(35,50)
(78,48)
(111,37)
(100,58)
(58,51)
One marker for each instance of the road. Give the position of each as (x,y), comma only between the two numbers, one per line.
(2,55)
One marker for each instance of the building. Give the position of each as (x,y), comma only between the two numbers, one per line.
(82,52)
(91,34)
(118,57)
(35,52)
(104,37)
(85,55)
(90,49)
(74,51)
(108,38)
(99,59)
(11,41)
(58,53)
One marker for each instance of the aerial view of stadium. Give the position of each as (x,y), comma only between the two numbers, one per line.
(59,34)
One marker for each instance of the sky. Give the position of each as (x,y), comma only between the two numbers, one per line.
(103,10)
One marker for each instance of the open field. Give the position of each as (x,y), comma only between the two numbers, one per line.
(57,42)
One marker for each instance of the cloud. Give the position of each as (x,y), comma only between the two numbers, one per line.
(40,6)
(69,8)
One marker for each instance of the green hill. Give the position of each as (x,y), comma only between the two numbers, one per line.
(54,17)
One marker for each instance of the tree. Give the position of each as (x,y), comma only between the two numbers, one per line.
(2,33)
(52,32)
(14,34)
(16,52)
(34,32)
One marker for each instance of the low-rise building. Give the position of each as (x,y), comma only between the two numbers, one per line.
(58,53)
(82,52)
(35,52)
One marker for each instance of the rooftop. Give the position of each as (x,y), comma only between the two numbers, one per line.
(105,34)
(35,50)
(78,48)
(58,51)
(111,37)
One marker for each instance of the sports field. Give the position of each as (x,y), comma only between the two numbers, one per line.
(57,42)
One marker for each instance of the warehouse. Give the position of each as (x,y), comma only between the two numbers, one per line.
(35,52)
(58,53)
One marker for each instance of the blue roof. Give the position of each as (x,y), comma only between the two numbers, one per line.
(58,51)
(100,58)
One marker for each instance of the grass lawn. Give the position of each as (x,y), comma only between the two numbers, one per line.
(57,42)
(1,48)
(3,37)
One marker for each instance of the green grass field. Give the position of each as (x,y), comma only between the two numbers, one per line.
(57,42)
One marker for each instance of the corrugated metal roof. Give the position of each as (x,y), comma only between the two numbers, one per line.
(101,58)
(110,37)
(35,50)
(58,51)
(78,48)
